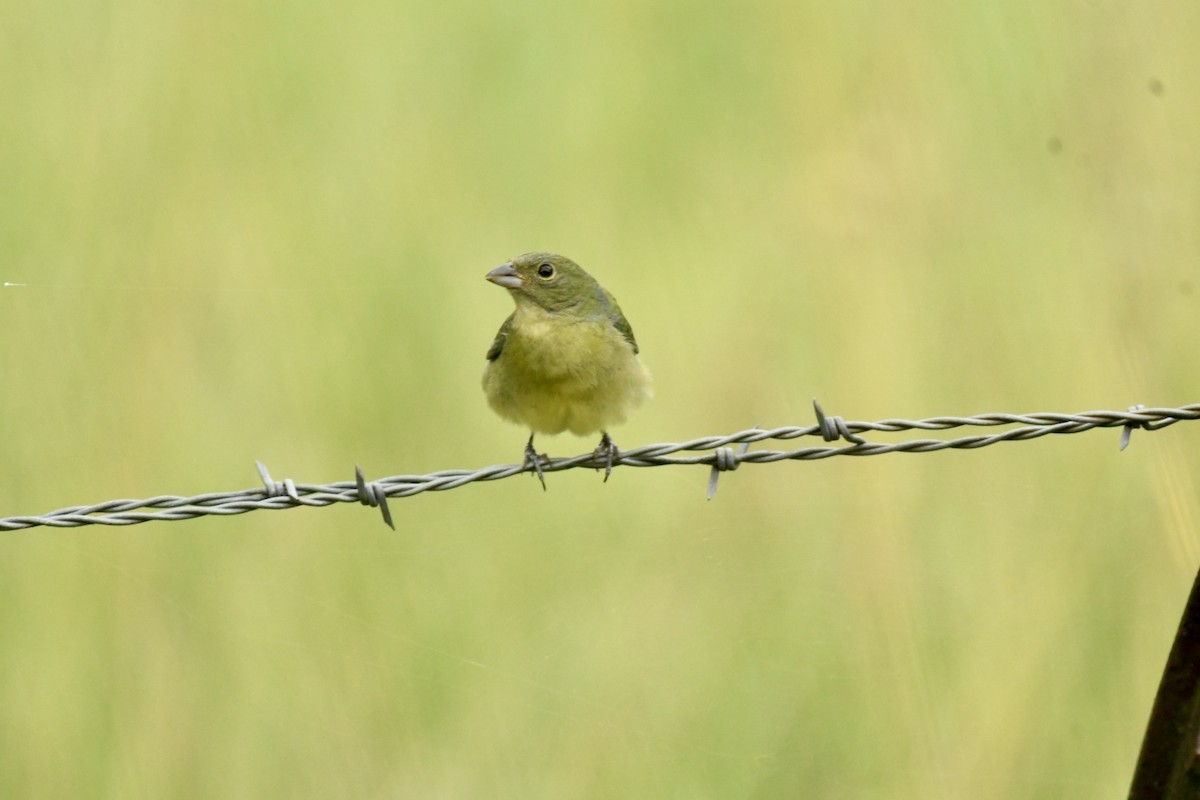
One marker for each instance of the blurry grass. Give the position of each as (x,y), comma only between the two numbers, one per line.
(261,233)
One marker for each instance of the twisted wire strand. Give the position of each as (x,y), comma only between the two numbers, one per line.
(713,451)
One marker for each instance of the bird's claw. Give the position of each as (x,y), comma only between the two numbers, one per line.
(535,460)
(606,452)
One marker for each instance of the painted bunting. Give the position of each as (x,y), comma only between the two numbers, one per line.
(566,359)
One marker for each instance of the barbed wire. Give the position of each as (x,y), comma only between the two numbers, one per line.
(717,454)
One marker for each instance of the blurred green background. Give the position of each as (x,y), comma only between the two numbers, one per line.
(259,231)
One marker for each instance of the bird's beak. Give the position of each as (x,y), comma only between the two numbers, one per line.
(505,275)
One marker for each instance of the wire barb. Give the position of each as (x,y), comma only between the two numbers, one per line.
(725,460)
(372,494)
(715,452)
(275,488)
(834,428)
(1127,431)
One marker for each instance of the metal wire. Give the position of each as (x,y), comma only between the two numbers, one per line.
(716,453)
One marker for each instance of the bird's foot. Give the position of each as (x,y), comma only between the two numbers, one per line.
(605,453)
(534,459)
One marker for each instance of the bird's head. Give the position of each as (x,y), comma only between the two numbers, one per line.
(550,281)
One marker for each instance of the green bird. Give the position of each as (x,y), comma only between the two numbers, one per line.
(566,359)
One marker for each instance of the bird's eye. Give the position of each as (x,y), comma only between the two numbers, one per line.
(545,270)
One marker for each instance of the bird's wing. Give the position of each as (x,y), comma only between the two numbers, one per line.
(622,325)
(501,337)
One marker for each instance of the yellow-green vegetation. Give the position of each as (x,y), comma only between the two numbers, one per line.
(260,232)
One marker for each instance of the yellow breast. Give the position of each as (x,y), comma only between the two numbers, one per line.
(559,373)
